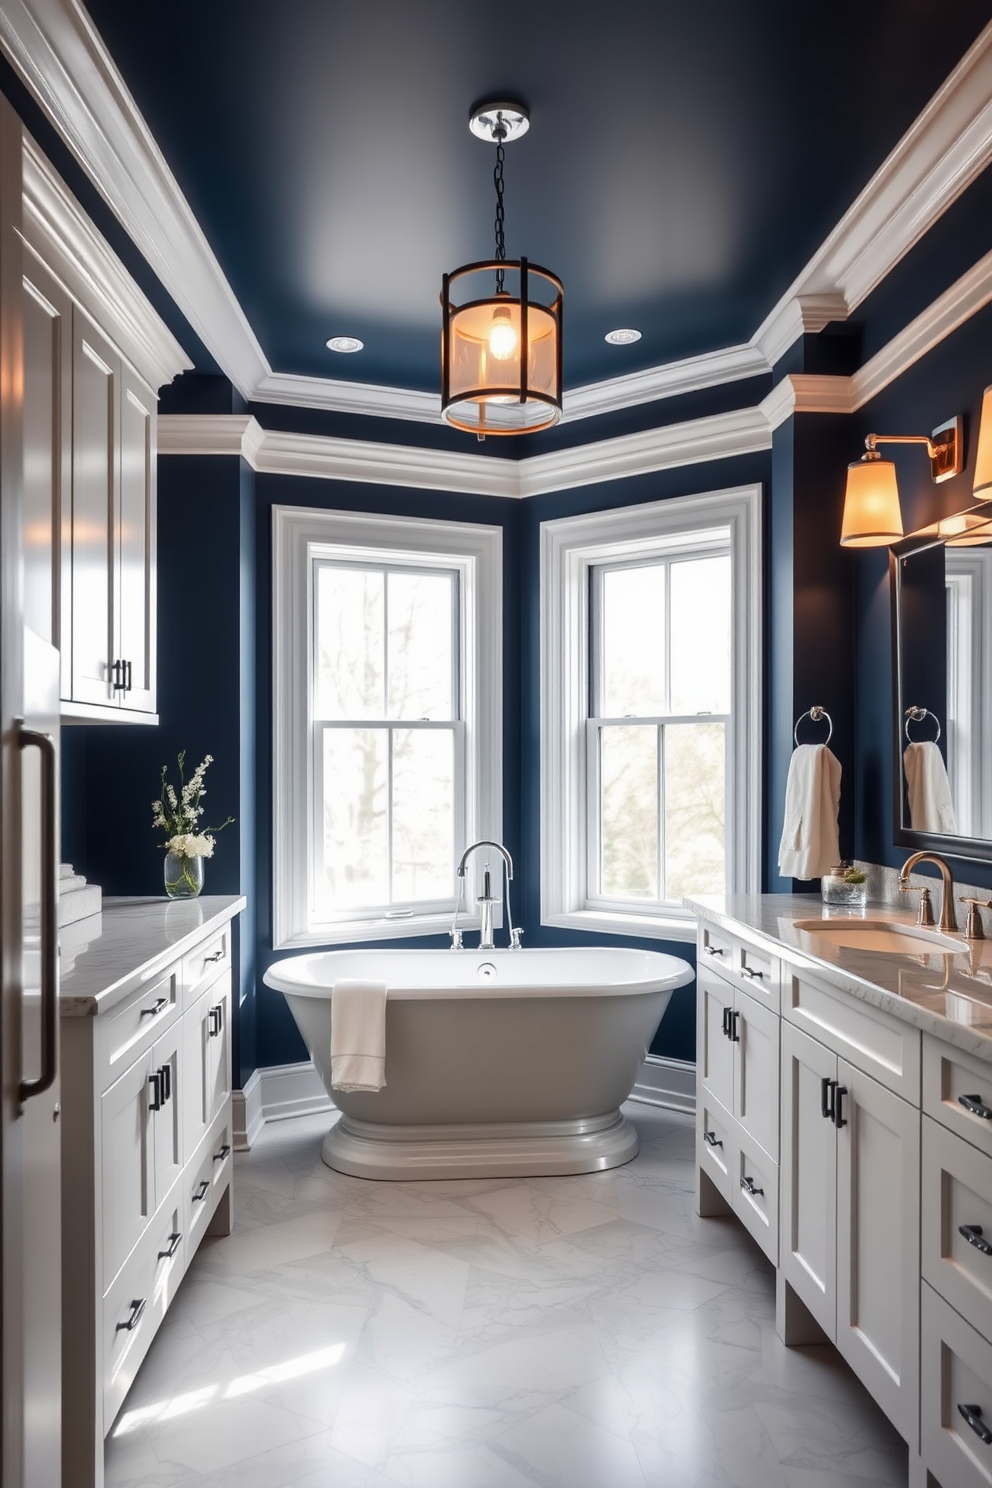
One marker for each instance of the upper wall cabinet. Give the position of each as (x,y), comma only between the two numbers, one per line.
(94,353)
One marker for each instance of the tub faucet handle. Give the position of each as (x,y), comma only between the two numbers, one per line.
(515,939)
(457,943)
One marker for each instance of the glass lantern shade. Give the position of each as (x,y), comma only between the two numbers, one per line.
(500,351)
(872,515)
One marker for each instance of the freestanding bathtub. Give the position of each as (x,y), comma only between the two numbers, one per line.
(498,1063)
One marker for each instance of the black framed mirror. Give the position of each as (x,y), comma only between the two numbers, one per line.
(941,587)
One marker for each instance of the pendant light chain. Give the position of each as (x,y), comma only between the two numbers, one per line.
(499,135)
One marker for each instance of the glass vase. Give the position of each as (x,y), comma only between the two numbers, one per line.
(183,876)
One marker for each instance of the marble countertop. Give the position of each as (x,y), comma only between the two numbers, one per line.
(131,941)
(947,995)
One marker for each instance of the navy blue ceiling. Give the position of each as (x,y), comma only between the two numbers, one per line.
(686,156)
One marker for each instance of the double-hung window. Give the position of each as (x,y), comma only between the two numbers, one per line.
(387,720)
(651,699)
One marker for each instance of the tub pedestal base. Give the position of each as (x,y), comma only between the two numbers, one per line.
(525,1149)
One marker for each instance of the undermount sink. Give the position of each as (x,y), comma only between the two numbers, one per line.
(891,937)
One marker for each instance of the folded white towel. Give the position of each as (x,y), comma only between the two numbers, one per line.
(358,1035)
(930,805)
(810,843)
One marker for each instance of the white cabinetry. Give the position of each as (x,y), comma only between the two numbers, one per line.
(147,1170)
(94,350)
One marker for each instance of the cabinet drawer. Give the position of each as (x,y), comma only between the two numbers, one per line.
(956,1370)
(133,1026)
(880,1046)
(752,967)
(755,1196)
(957,1091)
(716,1151)
(136,1303)
(957,1195)
(205,963)
(205,1180)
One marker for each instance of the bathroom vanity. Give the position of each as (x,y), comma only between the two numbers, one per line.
(844,1114)
(146,1141)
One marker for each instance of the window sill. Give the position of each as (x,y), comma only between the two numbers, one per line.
(643,927)
(361,932)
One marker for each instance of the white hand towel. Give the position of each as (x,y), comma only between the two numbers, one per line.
(810,843)
(930,805)
(358,1035)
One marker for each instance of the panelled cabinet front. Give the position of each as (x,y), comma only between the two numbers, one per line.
(147,1170)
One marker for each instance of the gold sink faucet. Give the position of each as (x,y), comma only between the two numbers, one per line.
(948,919)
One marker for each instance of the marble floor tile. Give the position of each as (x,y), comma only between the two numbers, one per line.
(586,1332)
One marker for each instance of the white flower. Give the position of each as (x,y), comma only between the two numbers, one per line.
(191,845)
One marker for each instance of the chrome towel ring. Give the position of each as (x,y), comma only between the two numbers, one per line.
(917,715)
(816,713)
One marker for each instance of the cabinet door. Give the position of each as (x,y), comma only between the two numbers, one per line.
(218,1046)
(716,999)
(136,554)
(47,498)
(128,1160)
(756,1076)
(878,1243)
(166,1098)
(808,1251)
(96,375)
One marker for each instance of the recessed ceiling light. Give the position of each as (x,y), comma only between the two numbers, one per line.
(345,343)
(623,337)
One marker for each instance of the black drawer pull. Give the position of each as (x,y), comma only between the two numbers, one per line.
(976,1106)
(165,1082)
(153,1012)
(155,1081)
(220,1156)
(711,1139)
(134,1317)
(726,1021)
(217,956)
(216,1019)
(839,1093)
(827,1088)
(751,974)
(119,670)
(202,1191)
(712,950)
(733,1032)
(973,1415)
(747,1184)
(973,1235)
(175,1240)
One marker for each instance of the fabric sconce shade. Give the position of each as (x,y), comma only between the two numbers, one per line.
(983,460)
(872,515)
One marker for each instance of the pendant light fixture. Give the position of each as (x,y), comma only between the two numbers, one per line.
(500,320)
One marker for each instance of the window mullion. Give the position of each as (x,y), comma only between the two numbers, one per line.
(660,766)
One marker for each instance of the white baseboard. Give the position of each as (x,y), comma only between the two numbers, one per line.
(666,1082)
(275,1094)
(284,1090)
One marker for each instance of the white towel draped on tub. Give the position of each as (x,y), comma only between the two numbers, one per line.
(930,806)
(358,1035)
(810,844)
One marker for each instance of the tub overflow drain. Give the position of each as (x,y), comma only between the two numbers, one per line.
(486,971)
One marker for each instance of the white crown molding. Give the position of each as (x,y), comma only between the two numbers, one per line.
(335,396)
(61,57)
(57,230)
(805,392)
(58,52)
(273,452)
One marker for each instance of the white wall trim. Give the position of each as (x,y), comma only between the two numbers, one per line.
(62,59)
(669,1083)
(569,548)
(277,1093)
(741,432)
(58,232)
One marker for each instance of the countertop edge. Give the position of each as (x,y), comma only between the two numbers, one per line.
(970,1041)
(93,1004)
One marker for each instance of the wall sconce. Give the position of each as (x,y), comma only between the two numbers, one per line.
(872,514)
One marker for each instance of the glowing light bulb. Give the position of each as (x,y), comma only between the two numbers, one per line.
(502,336)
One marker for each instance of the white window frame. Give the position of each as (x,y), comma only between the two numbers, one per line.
(299,536)
(570,548)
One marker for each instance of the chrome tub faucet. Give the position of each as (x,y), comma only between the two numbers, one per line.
(486,901)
